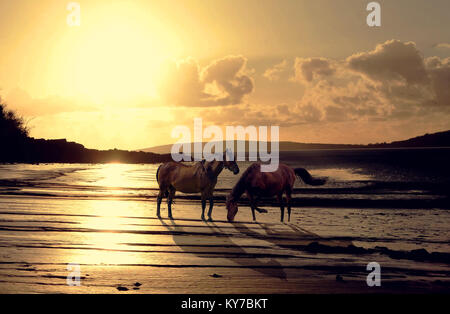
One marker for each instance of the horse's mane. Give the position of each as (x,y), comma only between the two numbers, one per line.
(240,186)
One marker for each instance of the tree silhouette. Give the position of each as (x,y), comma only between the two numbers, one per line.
(13,134)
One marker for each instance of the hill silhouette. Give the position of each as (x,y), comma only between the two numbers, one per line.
(439,139)
(17,146)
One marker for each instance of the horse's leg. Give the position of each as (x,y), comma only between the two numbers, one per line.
(158,203)
(211,204)
(170,200)
(260,210)
(252,204)
(255,201)
(280,200)
(203,206)
(288,201)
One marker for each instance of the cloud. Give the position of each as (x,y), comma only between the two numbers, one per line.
(259,115)
(392,81)
(364,95)
(228,74)
(385,86)
(223,82)
(274,73)
(307,69)
(439,72)
(182,83)
(442,45)
(391,61)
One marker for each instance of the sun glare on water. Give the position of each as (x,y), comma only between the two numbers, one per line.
(113,175)
(109,233)
(113,222)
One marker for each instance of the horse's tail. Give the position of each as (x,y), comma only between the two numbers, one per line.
(307,178)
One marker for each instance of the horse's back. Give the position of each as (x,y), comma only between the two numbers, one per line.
(269,183)
(182,177)
(283,172)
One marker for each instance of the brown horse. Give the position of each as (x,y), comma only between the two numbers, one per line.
(199,177)
(265,184)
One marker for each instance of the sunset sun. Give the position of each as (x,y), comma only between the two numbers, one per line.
(114,56)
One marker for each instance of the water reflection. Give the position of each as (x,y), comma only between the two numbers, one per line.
(115,175)
(105,233)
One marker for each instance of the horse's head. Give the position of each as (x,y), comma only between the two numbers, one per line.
(232,208)
(231,165)
(229,162)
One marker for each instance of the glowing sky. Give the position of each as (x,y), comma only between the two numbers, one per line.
(133,70)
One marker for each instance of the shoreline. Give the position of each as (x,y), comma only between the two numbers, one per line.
(442,203)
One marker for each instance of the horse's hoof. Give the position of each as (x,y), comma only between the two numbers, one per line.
(170,217)
(210,219)
(203,218)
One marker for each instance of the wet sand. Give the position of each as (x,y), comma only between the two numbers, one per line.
(120,242)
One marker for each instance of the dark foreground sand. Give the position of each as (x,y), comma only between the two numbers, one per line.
(116,245)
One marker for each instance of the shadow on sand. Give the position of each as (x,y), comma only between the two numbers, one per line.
(227,249)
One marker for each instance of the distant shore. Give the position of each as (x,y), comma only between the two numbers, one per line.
(31,150)
(34,151)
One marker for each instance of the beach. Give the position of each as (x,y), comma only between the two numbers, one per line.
(103,219)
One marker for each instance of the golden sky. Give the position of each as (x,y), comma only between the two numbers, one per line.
(133,70)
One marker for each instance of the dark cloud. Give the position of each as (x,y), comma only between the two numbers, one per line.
(309,68)
(439,72)
(392,60)
(283,109)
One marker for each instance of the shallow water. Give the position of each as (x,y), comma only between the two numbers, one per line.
(420,226)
